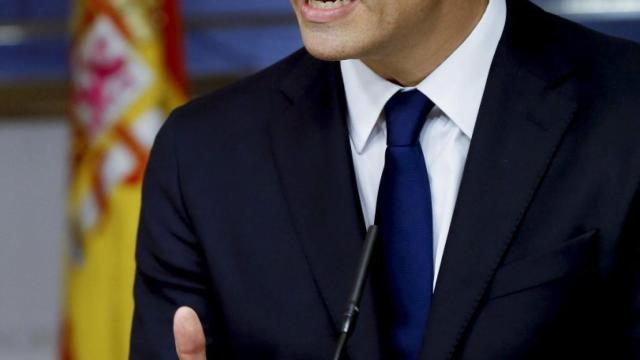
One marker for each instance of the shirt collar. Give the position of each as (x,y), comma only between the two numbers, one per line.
(456,86)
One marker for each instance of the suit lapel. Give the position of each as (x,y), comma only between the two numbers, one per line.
(527,106)
(311,146)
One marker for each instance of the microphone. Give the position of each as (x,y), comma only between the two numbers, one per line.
(350,316)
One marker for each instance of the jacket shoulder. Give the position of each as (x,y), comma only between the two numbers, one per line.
(241,106)
(597,57)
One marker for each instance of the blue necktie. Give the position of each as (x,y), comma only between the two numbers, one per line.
(405,219)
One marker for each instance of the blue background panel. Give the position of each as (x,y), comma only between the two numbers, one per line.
(38,59)
(199,7)
(238,51)
(11,10)
(241,49)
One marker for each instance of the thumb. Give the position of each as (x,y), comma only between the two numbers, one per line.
(188,335)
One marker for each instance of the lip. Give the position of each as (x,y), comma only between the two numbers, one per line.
(315,15)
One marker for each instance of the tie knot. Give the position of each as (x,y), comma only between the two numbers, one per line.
(405,114)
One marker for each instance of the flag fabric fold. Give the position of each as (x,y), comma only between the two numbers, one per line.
(127,73)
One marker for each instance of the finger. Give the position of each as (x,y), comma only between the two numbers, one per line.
(188,335)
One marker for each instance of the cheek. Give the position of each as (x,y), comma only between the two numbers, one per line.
(386,17)
(404,13)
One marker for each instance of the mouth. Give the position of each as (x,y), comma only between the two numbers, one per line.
(321,11)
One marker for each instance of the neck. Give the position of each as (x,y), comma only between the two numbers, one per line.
(408,62)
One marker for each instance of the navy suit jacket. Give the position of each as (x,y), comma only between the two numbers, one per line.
(251,214)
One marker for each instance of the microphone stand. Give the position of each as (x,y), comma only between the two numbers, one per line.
(353,305)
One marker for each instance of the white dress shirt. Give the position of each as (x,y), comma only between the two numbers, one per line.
(456,87)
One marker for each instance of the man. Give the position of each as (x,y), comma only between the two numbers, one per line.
(494,144)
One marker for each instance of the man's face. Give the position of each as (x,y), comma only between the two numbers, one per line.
(345,29)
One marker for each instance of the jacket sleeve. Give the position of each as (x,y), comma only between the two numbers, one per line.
(170,267)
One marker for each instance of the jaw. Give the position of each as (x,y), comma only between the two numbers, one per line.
(335,30)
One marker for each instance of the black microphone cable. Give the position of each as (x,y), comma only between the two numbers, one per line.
(350,316)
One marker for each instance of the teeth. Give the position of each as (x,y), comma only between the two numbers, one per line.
(318,4)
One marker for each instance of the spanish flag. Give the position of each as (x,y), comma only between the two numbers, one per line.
(126,75)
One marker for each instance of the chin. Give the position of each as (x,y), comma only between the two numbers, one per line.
(327,54)
(330,49)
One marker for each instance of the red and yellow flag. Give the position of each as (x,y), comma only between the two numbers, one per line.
(127,74)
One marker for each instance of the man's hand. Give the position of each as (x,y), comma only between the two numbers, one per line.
(188,335)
